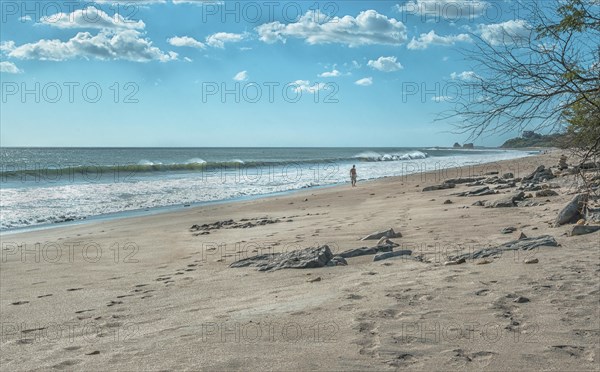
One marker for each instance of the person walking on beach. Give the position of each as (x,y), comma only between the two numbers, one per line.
(353,175)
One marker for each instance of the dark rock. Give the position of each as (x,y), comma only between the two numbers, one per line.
(531,261)
(479,203)
(583,229)
(448,201)
(545,193)
(457,145)
(461,180)
(508,175)
(386,255)
(468,146)
(509,201)
(299,259)
(366,251)
(443,186)
(572,211)
(508,230)
(383,234)
(529,203)
(515,245)
(521,300)
(339,261)
(539,175)
(477,192)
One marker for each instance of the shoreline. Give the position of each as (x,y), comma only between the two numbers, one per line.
(179,207)
(152,291)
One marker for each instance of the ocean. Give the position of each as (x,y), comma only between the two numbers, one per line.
(46,186)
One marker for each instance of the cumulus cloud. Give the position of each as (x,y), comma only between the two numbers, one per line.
(241,76)
(448,9)
(9,68)
(465,76)
(364,81)
(508,32)
(369,27)
(90,17)
(301,86)
(219,39)
(431,38)
(127,45)
(385,64)
(333,73)
(186,41)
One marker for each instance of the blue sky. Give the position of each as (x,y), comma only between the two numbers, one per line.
(207,73)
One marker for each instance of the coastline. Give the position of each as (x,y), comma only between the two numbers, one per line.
(146,291)
(179,207)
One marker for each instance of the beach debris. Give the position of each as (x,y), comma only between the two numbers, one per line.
(455,262)
(529,203)
(562,163)
(477,192)
(521,300)
(531,261)
(443,186)
(583,229)
(317,279)
(522,236)
(307,258)
(386,255)
(338,261)
(508,230)
(363,251)
(545,193)
(457,181)
(572,211)
(509,201)
(231,224)
(514,245)
(540,174)
(390,233)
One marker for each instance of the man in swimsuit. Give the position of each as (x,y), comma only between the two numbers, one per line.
(353,175)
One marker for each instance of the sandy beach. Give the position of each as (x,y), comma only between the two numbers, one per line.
(148,293)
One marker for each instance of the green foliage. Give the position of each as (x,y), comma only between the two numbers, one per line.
(551,140)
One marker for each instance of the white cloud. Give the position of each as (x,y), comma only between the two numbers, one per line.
(465,75)
(187,59)
(364,81)
(219,39)
(431,38)
(124,44)
(385,64)
(441,98)
(508,32)
(9,68)
(448,9)
(7,46)
(241,76)
(369,27)
(185,41)
(307,86)
(90,17)
(333,73)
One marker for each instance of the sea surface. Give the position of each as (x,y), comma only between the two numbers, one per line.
(42,186)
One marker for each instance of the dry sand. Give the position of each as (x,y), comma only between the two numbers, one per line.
(144,293)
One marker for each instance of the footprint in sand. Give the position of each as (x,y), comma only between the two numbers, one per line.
(19,303)
(74,289)
(83,311)
(113,303)
(46,295)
